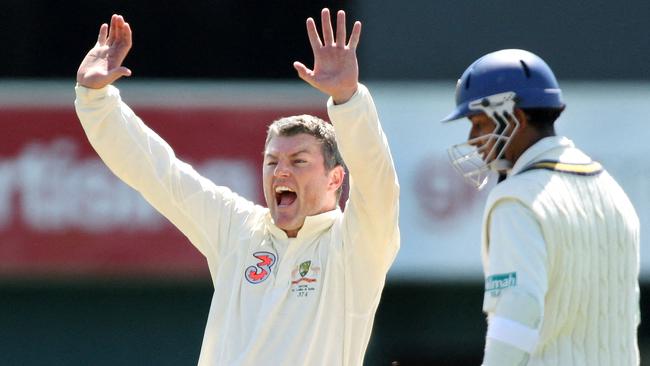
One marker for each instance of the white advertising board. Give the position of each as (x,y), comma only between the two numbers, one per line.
(440,215)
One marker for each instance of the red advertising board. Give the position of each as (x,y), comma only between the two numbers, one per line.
(64,215)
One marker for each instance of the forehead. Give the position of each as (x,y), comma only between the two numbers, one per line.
(299,143)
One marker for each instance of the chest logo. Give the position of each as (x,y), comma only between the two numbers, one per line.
(261,271)
(304,268)
(304,278)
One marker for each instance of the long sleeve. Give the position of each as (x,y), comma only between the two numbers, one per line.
(371,233)
(138,156)
(516,284)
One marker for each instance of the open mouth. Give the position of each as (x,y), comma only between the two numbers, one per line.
(285,196)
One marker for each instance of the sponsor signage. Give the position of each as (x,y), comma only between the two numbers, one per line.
(63,213)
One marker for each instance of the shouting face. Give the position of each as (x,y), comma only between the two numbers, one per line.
(296,183)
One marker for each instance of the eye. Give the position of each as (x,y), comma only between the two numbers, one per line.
(271,163)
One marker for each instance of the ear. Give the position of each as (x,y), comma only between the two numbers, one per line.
(522,118)
(336,177)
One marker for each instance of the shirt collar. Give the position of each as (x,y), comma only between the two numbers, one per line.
(313,225)
(535,151)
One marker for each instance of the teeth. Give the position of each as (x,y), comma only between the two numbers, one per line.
(280,189)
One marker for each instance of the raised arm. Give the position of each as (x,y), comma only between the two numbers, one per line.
(103,63)
(203,211)
(336,72)
(370,224)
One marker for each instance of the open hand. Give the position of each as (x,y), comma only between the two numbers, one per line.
(336,71)
(103,63)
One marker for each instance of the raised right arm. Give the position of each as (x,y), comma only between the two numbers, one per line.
(143,160)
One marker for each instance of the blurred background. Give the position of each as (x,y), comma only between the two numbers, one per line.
(90,274)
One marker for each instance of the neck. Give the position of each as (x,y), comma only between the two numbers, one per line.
(525,141)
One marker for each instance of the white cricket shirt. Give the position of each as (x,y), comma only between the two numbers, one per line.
(308,300)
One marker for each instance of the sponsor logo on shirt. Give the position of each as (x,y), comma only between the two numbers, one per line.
(496,283)
(304,278)
(261,271)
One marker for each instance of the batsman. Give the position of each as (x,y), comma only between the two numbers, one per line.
(560,237)
(297,282)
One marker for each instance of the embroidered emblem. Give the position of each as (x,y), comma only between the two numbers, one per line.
(304,278)
(261,271)
(304,268)
(496,283)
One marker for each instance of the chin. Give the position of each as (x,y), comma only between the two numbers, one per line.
(287,223)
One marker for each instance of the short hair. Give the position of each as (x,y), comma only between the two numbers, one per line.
(322,130)
(542,119)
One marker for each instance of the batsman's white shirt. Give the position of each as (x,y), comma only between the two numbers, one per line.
(308,300)
(561,260)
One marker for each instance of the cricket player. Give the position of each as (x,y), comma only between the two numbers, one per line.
(560,245)
(297,282)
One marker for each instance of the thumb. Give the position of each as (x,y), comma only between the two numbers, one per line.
(118,72)
(122,71)
(303,72)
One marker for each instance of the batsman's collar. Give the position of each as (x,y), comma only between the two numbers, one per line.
(558,148)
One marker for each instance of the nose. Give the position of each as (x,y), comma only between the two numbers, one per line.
(281,170)
(473,134)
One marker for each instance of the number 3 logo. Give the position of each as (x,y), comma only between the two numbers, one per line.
(261,271)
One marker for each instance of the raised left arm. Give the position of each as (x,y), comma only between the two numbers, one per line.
(336,72)
(370,223)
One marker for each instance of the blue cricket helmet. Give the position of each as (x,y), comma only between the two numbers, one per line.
(511,70)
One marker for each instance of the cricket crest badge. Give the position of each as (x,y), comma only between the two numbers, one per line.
(304,279)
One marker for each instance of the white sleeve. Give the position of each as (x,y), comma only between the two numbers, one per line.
(515,285)
(138,156)
(370,223)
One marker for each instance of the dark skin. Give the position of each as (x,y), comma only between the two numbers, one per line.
(525,136)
